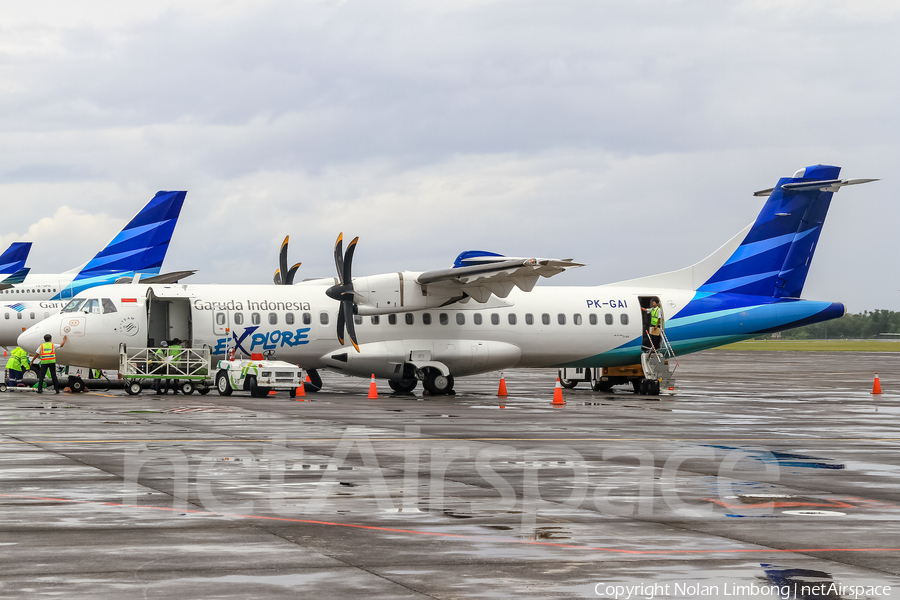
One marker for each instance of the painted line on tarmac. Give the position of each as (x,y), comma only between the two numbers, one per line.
(406,439)
(476,538)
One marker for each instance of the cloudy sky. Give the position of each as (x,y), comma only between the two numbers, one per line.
(526,128)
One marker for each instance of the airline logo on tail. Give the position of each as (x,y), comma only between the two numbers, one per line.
(139,248)
(14,258)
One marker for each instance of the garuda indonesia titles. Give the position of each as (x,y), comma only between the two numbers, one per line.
(483,314)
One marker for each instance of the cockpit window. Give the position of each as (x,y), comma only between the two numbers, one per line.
(73,306)
(92,306)
(108,306)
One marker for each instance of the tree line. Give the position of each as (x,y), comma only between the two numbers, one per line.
(860,326)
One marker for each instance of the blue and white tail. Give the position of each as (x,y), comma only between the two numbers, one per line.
(140,247)
(14,258)
(771,257)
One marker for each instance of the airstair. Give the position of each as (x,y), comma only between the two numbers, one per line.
(657,373)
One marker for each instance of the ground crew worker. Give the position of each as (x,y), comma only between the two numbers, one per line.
(47,354)
(175,351)
(162,387)
(17,365)
(654,333)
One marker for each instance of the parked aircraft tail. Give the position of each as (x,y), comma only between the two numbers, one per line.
(771,257)
(14,258)
(139,248)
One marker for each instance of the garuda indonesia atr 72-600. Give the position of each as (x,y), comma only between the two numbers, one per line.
(484,313)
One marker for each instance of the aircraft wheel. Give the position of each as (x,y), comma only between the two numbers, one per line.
(134,388)
(223,385)
(653,387)
(76,384)
(437,384)
(29,377)
(187,388)
(403,386)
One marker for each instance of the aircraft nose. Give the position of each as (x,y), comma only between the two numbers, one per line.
(31,338)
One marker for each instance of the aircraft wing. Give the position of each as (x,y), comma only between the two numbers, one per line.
(496,275)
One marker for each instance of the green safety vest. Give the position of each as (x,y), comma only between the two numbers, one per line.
(654,316)
(18,360)
(47,353)
(175,351)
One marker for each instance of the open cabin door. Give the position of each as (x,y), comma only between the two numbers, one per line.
(646,305)
(167,319)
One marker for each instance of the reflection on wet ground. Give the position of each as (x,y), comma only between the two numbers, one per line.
(762,479)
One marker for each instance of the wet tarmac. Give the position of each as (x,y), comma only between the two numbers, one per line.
(765,475)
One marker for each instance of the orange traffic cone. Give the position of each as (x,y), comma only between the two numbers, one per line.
(308,379)
(502,390)
(876,389)
(300,392)
(373,391)
(557,394)
(273,393)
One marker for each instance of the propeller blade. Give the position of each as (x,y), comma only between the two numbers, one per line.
(277,277)
(347,309)
(282,258)
(348,262)
(340,325)
(289,280)
(339,256)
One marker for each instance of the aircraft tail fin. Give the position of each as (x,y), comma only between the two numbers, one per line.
(140,247)
(14,258)
(773,258)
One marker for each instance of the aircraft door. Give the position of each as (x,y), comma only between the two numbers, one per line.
(222,323)
(648,336)
(167,319)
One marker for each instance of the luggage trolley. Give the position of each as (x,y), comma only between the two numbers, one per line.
(190,367)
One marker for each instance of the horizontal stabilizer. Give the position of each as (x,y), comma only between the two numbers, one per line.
(173,277)
(823,186)
(15,278)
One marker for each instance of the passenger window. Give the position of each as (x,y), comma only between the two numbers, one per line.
(375,320)
(444,319)
(512,318)
(608,319)
(624,319)
(545,319)
(273,319)
(255,318)
(307,319)
(108,306)
(46,315)
(561,319)
(593,319)
(18,315)
(495,319)
(32,316)
(357,319)
(426,318)
(289,319)
(529,319)
(220,318)
(576,318)
(7,316)
(323,318)
(477,318)
(238,318)
(460,319)
(392,319)
(410,319)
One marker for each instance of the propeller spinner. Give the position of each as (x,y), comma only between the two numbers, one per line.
(288,278)
(343,292)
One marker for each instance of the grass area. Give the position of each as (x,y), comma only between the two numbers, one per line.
(816,345)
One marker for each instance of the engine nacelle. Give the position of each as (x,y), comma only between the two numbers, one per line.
(394,292)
